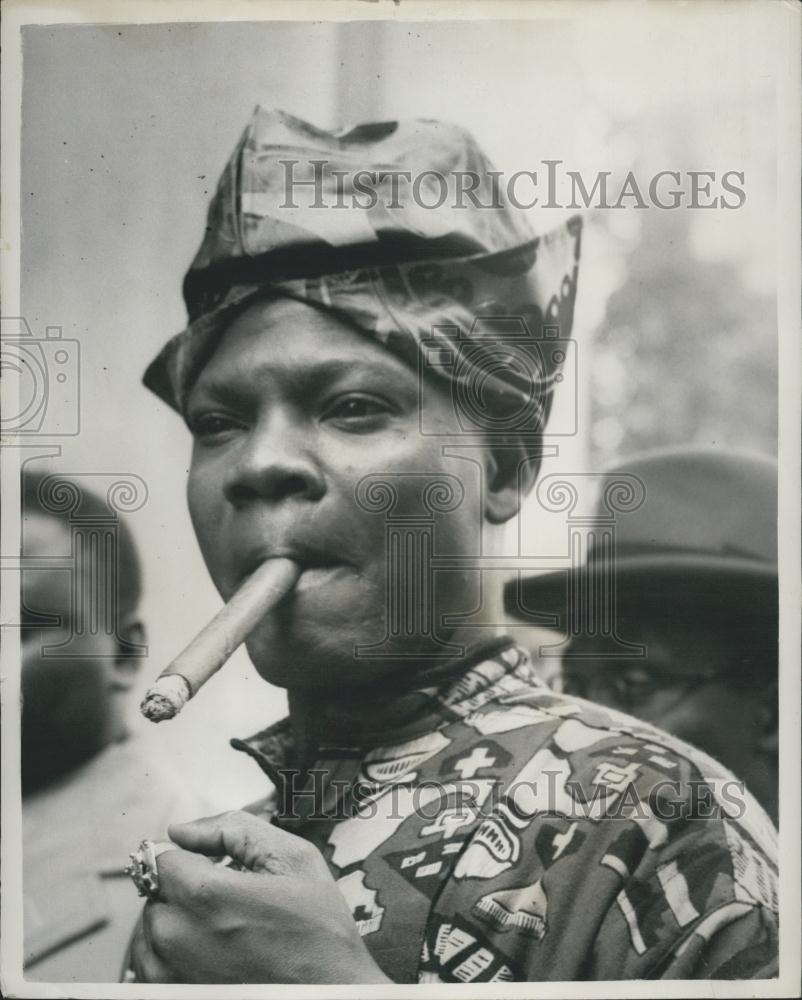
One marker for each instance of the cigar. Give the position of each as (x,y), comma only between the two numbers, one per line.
(210,649)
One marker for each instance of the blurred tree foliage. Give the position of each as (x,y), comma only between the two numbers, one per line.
(686,352)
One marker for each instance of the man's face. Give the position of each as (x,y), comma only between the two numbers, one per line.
(288,416)
(683,685)
(67,699)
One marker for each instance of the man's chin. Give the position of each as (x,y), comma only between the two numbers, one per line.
(329,637)
(327,662)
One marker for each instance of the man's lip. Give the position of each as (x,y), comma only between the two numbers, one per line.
(306,560)
(315,576)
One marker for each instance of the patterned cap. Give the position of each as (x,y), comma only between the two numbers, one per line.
(402,229)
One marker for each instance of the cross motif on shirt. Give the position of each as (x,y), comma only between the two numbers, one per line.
(448,822)
(475,761)
(650,752)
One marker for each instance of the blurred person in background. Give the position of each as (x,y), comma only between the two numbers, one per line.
(88,787)
(696,585)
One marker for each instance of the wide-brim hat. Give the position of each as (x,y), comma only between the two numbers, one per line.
(705,536)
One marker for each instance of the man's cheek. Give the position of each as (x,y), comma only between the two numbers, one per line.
(205,502)
(198,500)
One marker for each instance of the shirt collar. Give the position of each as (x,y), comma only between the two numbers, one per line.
(446,692)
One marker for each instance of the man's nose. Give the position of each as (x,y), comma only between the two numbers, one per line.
(275,463)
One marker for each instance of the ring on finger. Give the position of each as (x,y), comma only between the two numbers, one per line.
(144,869)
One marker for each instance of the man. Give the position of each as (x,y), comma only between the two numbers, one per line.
(87,786)
(366,387)
(696,587)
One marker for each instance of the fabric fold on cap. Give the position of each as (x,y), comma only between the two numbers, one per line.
(464,290)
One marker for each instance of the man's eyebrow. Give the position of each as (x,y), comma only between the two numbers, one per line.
(306,377)
(319,371)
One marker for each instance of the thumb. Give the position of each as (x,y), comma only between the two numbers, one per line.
(256,844)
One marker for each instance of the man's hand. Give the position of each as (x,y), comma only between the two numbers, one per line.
(282,921)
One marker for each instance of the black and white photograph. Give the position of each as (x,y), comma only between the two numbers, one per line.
(401,498)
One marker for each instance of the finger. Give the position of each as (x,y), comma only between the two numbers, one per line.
(253,842)
(154,928)
(145,963)
(186,880)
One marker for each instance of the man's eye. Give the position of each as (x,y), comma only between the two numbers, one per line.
(208,426)
(357,410)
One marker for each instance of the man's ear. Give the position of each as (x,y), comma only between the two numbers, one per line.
(510,474)
(131,631)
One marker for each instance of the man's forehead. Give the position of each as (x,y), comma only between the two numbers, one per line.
(285,336)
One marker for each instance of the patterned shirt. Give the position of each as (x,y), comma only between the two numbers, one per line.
(521,835)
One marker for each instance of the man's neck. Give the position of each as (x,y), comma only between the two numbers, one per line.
(390,707)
